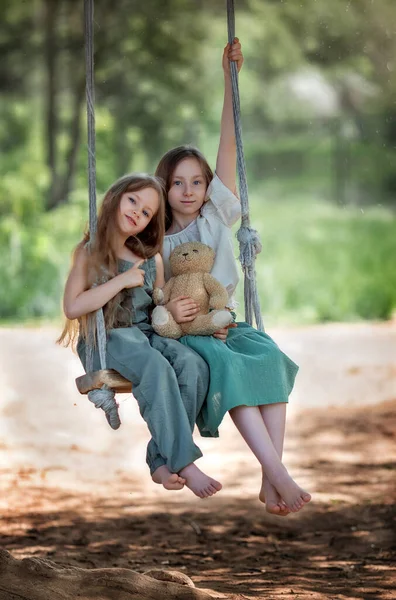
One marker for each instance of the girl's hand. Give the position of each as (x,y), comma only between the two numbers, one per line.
(223,333)
(134,277)
(183,309)
(232,52)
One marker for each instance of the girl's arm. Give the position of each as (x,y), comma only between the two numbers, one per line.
(79,299)
(160,276)
(226,156)
(167,288)
(160,280)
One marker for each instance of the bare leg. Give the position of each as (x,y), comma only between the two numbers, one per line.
(170,481)
(202,485)
(274,416)
(251,425)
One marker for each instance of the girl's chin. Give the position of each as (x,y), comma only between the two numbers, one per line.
(190,207)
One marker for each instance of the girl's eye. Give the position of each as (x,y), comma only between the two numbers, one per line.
(197,182)
(146,213)
(132,199)
(177,182)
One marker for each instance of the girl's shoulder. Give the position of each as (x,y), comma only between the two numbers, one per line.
(221,204)
(218,192)
(81,255)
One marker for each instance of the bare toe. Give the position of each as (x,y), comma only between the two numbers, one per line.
(199,483)
(284,510)
(273,509)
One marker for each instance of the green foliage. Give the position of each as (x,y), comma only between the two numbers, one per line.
(323,263)
(319,262)
(158,84)
(35,258)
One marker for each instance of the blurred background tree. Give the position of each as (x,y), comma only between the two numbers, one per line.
(318,98)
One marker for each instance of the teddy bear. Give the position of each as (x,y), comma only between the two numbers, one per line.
(191,264)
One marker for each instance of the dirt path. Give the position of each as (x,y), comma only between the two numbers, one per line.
(79,493)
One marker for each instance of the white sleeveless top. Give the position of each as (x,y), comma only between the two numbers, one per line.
(212,227)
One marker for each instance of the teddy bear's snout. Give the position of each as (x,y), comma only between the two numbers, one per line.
(186,255)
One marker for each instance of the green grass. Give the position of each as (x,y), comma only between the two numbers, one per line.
(319,262)
(324,263)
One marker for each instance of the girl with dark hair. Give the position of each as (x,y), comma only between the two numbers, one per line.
(250,377)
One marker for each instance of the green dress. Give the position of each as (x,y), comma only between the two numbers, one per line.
(249,369)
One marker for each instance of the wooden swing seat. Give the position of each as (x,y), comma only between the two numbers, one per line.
(109,377)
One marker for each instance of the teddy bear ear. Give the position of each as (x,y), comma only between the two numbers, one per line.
(174,251)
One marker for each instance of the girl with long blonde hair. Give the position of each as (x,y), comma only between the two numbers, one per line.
(118,274)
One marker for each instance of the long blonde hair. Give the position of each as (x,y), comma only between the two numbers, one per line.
(102,259)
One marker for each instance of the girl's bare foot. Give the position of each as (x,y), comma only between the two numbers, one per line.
(294,497)
(202,485)
(170,481)
(273,502)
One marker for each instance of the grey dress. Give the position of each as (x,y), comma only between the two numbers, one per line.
(169,380)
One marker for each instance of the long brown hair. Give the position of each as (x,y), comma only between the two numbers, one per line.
(102,259)
(167,165)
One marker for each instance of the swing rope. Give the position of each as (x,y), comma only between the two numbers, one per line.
(248,238)
(105,397)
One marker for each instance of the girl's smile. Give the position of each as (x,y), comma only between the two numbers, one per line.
(131,220)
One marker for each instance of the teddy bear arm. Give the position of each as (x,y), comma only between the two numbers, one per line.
(218,296)
(164,324)
(158,296)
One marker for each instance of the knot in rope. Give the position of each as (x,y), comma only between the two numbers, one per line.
(249,246)
(105,399)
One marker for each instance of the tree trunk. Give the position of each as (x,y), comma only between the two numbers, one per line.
(63,184)
(51,7)
(40,579)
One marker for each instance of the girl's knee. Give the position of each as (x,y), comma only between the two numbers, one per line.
(159,364)
(194,363)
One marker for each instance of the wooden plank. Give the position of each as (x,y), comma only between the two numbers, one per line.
(95,380)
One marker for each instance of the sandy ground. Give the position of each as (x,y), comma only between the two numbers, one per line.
(79,493)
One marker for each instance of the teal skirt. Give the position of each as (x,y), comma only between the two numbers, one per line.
(248,370)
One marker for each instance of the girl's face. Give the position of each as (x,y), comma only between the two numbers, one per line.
(136,209)
(187,189)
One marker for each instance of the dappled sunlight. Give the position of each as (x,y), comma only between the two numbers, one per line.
(79,493)
(317,94)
